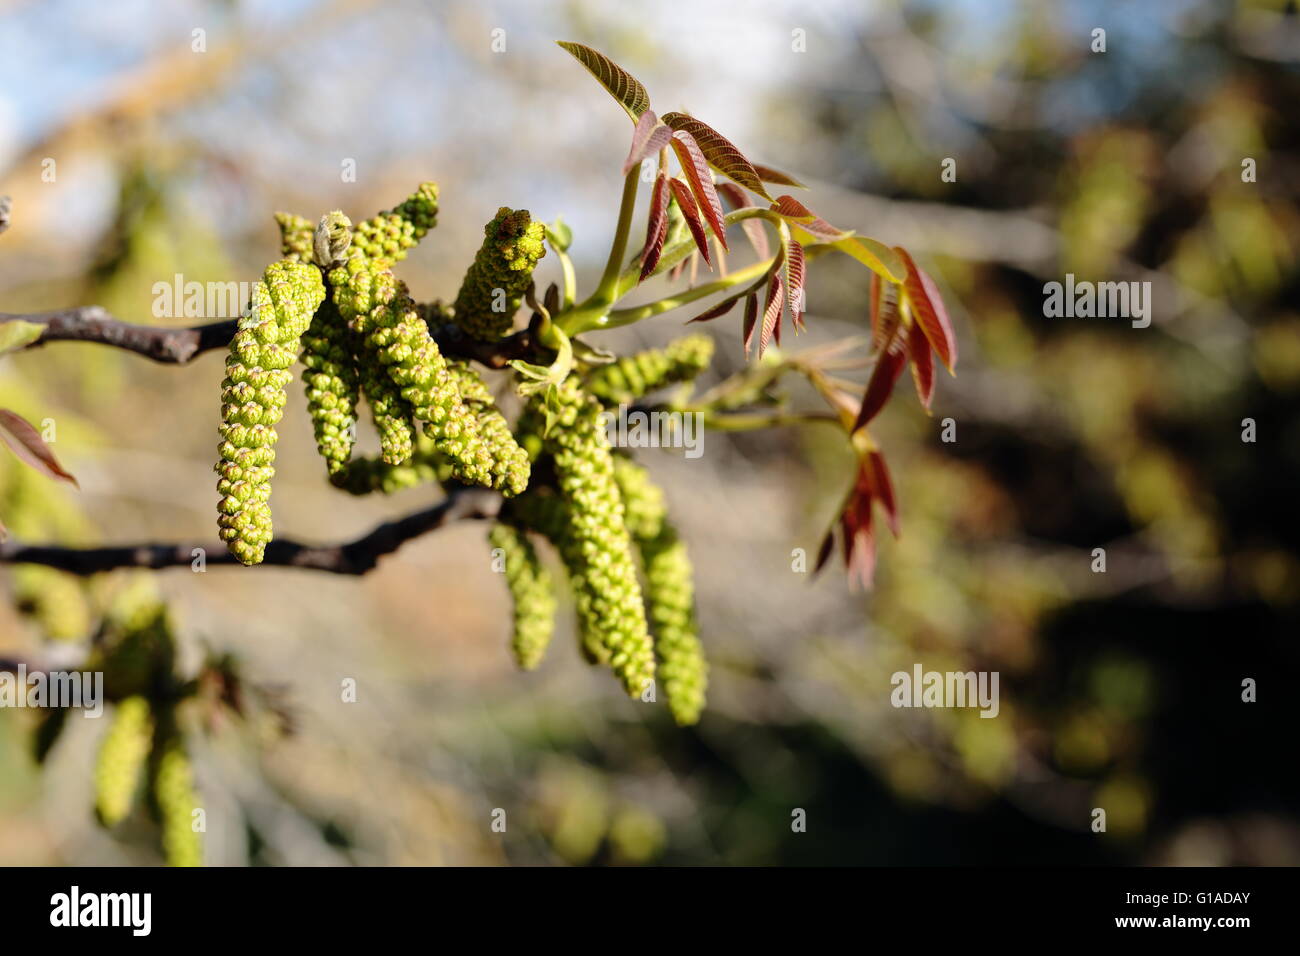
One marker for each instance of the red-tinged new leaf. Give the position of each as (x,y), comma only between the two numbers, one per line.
(719,310)
(751,319)
(824,550)
(794,283)
(622,85)
(775,176)
(691,213)
(719,151)
(794,210)
(860,554)
(888,319)
(918,346)
(648,138)
(873,308)
(656,226)
(25,441)
(928,310)
(876,256)
(889,366)
(773,306)
(697,173)
(676,271)
(882,489)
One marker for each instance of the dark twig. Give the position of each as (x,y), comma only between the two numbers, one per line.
(177,346)
(354,557)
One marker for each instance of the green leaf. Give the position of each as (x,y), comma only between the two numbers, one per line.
(876,256)
(18,334)
(622,85)
(542,376)
(559,234)
(770,175)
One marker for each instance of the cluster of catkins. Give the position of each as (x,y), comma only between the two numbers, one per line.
(144,741)
(334,302)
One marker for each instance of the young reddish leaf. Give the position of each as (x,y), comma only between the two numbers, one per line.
(772,310)
(754,230)
(824,550)
(928,310)
(770,175)
(719,310)
(793,209)
(648,138)
(622,85)
(873,308)
(751,319)
(721,154)
(676,271)
(656,226)
(697,174)
(860,554)
(882,489)
(25,441)
(794,283)
(888,321)
(691,213)
(889,366)
(918,346)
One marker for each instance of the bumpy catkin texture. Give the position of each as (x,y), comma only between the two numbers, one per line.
(381,311)
(512,246)
(597,547)
(295,236)
(532,592)
(137,648)
(630,377)
(391,234)
(364,476)
(508,457)
(122,756)
(670,593)
(332,385)
(174,796)
(252,401)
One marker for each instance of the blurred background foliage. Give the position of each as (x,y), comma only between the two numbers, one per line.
(1119,690)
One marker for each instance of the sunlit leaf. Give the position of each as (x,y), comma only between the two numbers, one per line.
(697,173)
(648,138)
(751,319)
(719,151)
(770,175)
(928,310)
(876,256)
(794,210)
(794,283)
(656,226)
(882,489)
(691,213)
(622,85)
(773,306)
(25,441)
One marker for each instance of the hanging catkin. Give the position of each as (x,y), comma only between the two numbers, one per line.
(532,593)
(636,375)
(501,272)
(670,593)
(253,398)
(597,548)
(172,786)
(390,235)
(122,756)
(332,385)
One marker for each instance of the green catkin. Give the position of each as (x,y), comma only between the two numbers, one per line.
(380,310)
(122,756)
(54,600)
(253,398)
(295,236)
(633,376)
(332,385)
(175,797)
(390,235)
(597,548)
(670,593)
(364,476)
(493,429)
(136,651)
(501,272)
(532,592)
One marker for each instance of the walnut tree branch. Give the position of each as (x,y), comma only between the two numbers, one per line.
(177,346)
(354,557)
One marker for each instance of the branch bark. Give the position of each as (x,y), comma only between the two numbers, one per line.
(353,558)
(177,346)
